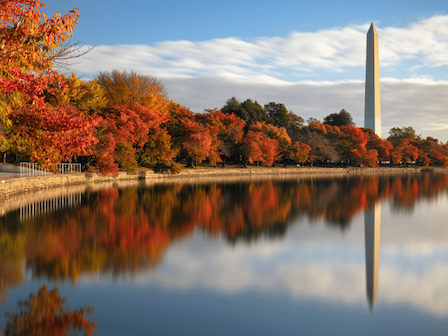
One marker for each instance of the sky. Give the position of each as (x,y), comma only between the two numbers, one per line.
(308,55)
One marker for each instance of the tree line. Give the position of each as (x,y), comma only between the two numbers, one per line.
(123,119)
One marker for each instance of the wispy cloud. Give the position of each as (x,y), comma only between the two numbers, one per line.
(259,60)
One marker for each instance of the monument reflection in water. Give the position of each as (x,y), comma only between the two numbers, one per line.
(372,229)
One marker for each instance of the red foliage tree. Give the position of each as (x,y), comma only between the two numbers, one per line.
(383,147)
(104,153)
(408,151)
(27,39)
(47,314)
(52,135)
(299,152)
(133,128)
(200,141)
(230,130)
(251,146)
(193,136)
(353,143)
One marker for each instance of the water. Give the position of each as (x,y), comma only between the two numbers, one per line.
(308,256)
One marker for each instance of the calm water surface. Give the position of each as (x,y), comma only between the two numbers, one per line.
(317,256)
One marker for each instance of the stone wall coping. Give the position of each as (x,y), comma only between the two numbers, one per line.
(14,186)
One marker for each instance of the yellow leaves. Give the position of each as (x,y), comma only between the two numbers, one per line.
(24,30)
(85,96)
(132,88)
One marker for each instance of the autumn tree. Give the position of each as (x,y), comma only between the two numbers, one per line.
(193,137)
(299,152)
(266,143)
(200,142)
(27,38)
(137,134)
(130,88)
(54,135)
(257,147)
(408,151)
(431,151)
(230,131)
(83,95)
(277,133)
(28,124)
(352,146)
(383,147)
(47,313)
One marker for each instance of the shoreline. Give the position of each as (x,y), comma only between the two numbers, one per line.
(10,187)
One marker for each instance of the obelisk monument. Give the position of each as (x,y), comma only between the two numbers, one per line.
(372,104)
(372,229)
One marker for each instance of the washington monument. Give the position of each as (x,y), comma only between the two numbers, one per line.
(372,104)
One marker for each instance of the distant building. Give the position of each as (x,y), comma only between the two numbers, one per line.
(372,103)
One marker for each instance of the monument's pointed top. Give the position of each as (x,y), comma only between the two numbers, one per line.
(372,29)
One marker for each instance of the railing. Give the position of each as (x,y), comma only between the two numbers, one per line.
(34,169)
(50,205)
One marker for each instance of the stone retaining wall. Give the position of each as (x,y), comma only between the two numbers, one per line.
(15,186)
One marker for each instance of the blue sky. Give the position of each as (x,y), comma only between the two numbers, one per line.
(309,55)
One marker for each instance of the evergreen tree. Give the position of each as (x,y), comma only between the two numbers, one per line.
(343,118)
(278,114)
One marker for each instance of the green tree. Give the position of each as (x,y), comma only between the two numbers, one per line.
(278,114)
(343,118)
(254,111)
(232,105)
(402,133)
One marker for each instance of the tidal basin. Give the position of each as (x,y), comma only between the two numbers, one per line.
(360,255)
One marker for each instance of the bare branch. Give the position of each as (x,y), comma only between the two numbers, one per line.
(68,51)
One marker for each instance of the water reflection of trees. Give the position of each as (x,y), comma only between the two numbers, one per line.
(47,313)
(126,230)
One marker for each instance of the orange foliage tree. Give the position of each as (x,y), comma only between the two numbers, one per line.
(48,314)
(28,124)
(53,135)
(27,39)
(130,88)
(230,131)
(193,136)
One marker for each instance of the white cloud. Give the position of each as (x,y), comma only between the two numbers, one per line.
(427,39)
(332,49)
